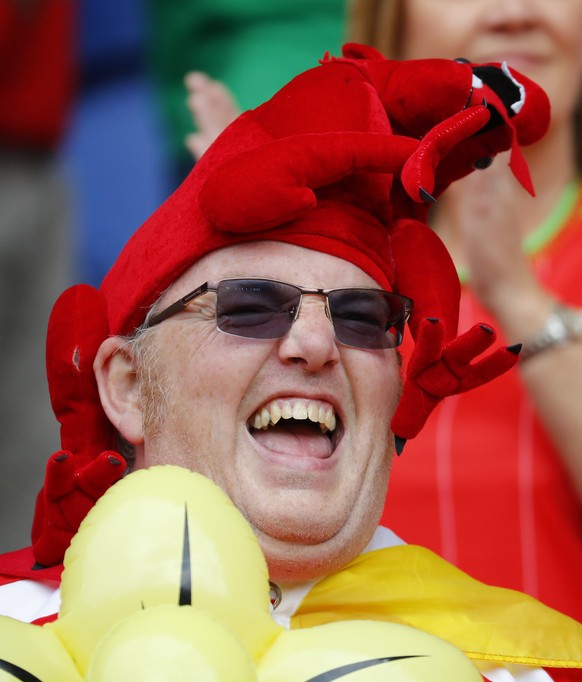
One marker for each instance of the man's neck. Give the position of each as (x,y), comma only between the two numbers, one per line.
(285,599)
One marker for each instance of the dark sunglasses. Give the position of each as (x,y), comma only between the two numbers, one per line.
(266,309)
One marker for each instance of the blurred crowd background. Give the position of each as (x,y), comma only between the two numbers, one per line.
(83,66)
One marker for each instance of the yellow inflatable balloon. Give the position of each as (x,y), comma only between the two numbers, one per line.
(163,535)
(171,644)
(364,651)
(29,652)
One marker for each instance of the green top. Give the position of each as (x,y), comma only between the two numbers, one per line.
(254,46)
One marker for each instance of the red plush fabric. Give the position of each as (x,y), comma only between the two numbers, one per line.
(77,326)
(87,466)
(342,160)
(361,132)
(21,565)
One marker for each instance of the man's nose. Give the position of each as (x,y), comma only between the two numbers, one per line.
(311,340)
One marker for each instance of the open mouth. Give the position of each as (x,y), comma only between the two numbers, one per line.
(297,427)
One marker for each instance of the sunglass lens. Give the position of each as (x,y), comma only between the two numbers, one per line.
(256,309)
(366,318)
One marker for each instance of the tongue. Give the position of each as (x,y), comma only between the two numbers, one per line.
(299,440)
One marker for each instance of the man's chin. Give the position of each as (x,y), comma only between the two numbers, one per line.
(305,552)
(299,563)
(296,529)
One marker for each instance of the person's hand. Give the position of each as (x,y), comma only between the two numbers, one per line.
(213,108)
(491,245)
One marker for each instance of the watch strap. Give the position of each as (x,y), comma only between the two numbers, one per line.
(563,324)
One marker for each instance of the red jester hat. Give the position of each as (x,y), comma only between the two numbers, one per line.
(344,159)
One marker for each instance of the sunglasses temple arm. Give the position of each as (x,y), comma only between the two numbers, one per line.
(178,305)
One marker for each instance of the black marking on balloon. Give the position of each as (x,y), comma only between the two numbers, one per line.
(18,673)
(186,578)
(344,670)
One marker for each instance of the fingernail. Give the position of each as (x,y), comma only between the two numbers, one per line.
(399,444)
(515,349)
(425,196)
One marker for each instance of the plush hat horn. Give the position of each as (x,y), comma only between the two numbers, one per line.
(345,159)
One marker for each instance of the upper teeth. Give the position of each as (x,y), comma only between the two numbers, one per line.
(316,412)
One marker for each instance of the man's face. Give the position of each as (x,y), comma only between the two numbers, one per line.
(313,498)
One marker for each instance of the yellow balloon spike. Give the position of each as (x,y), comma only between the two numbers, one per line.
(31,653)
(163,535)
(171,644)
(366,651)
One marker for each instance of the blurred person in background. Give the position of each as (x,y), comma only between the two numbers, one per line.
(36,88)
(509,500)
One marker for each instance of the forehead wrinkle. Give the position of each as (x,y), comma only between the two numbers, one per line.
(215,276)
(268,260)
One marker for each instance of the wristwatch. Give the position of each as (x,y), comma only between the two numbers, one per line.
(564,324)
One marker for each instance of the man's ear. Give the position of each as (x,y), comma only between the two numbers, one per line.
(118,388)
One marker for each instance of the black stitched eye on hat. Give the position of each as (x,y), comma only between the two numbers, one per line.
(483,163)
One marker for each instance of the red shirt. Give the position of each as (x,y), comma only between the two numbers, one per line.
(38,68)
(482,485)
